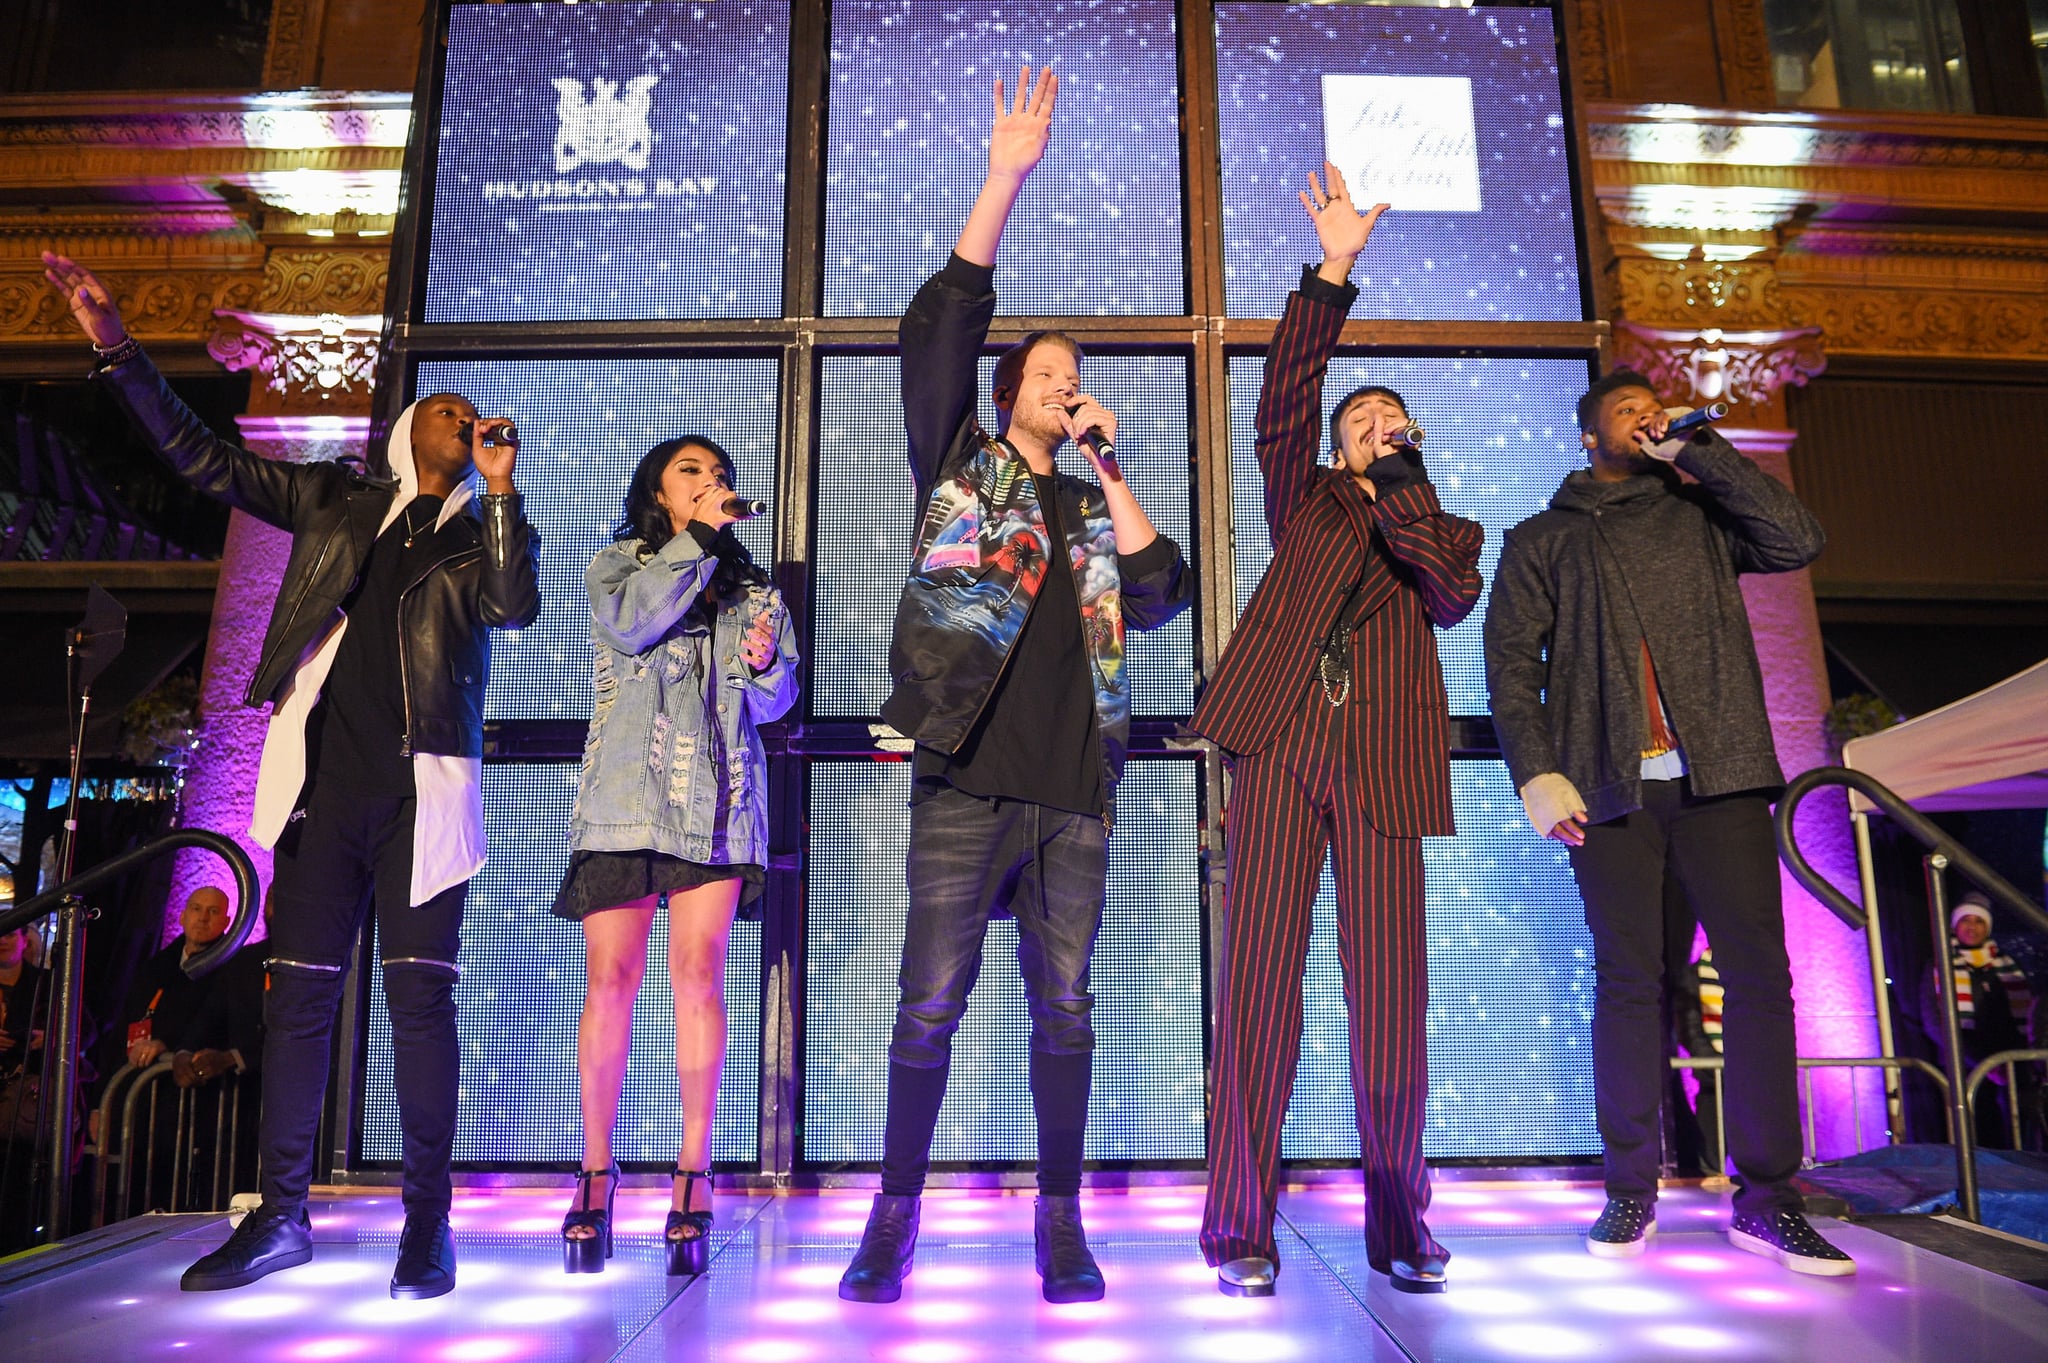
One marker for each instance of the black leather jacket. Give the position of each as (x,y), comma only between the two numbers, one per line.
(489,579)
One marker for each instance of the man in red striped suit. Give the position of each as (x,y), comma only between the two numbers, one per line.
(1330,704)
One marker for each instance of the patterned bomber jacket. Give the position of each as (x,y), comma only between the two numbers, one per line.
(673,761)
(983,548)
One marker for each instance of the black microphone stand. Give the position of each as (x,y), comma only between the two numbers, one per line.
(89,647)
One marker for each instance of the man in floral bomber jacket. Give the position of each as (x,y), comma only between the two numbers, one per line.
(1007,658)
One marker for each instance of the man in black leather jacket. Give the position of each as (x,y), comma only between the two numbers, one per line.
(374,665)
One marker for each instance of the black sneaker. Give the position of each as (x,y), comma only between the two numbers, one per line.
(1624,1229)
(268,1239)
(1787,1237)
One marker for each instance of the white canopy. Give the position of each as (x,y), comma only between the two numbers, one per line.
(1987,751)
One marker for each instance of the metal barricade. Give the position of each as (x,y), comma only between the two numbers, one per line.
(2005,1060)
(204,1145)
(1714,1065)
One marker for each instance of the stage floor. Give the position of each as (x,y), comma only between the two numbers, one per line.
(1522,1287)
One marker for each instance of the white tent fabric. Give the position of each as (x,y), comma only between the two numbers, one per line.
(1987,751)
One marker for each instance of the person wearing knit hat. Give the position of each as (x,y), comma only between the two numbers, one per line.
(1994,1004)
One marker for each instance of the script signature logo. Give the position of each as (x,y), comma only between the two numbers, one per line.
(604,128)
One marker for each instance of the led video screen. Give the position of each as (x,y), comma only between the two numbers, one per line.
(1510,997)
(866,519)
(1454,116)
(610,162)
(1146,1103)
(1501,437)
(521,994)
(1097,230)
(584,425)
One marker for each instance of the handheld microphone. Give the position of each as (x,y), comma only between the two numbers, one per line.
(1409,435)
(1095,440)
(1697,417)
(743,508)
(507,434)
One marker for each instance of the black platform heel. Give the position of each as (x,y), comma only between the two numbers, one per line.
(587,1253)
(687,1235)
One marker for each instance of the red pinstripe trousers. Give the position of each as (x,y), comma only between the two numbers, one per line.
(1291,804)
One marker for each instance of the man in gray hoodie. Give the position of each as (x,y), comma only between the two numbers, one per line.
(1630,710)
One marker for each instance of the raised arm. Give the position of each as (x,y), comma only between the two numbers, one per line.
(266,489)
(1289,422)
(942,331)
(1768,529)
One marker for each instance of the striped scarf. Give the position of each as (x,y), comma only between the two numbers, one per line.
(1969,960)
(1711,997)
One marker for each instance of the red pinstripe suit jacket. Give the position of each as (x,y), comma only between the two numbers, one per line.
(1419,566)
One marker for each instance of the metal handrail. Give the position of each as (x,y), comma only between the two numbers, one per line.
(68,970)
(2005,1060)
(1929,834)
(1889,1063)
(1943,851)
(200,963)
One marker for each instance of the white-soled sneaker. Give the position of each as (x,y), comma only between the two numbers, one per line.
(1624,1229)
(1787,1237)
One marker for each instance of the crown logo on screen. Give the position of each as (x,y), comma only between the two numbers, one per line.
(604,128)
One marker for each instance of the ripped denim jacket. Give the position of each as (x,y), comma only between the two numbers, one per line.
(673,761)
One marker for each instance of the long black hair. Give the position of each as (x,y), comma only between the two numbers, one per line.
(646,520)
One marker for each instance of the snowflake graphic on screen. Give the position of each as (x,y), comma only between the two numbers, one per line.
(604,128)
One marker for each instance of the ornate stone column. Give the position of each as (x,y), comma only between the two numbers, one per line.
(310,401)
(1831,980)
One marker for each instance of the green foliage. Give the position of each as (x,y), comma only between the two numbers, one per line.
(1856,715)
(156,728)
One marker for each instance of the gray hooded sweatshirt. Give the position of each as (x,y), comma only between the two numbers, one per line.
(1609,565)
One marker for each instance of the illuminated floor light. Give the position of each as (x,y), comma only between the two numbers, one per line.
(949,1275)
(1082,1312)
(1493,1301)
(1541,1341)
(1088,1351)
(487,1350)
(1695,1337)
(342,1347)
(1572,1266)
(1247,1346)
(932,1351)
(773,1351)
(1693,1263)
(1629,1301)
(540,1310)
(826,1275)
(942,1312)
(798,1310)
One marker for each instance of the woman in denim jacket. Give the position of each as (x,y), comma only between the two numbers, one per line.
(693,650)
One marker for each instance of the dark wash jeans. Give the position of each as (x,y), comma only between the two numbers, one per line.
(351,851)
(970,855)
(1719,851)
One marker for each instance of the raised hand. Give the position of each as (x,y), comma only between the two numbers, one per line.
(1018,138)
(1340,227)
(88,299)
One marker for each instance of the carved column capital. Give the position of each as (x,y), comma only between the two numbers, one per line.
(308,365)
(1748,369)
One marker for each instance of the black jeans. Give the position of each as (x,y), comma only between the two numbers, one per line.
(1720,852)
(348,852)
(970,855)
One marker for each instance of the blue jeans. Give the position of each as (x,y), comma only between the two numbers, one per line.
(969,856)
